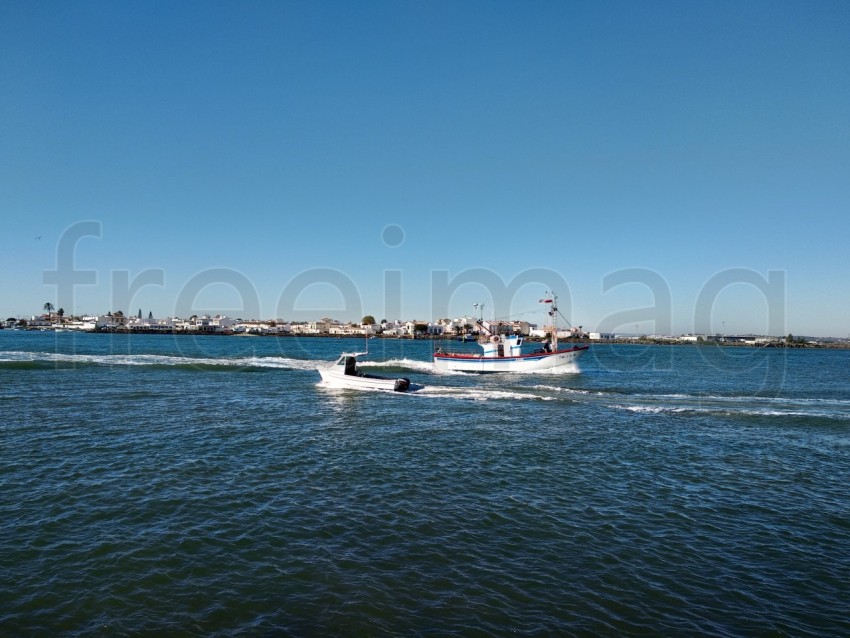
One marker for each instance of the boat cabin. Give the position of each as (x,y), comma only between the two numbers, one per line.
(502,346)
(351,368)
(347,366)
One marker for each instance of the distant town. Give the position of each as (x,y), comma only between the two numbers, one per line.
(461,328)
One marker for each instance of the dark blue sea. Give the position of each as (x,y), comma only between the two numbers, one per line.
(209,486)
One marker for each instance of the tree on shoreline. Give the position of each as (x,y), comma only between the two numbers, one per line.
(48,307)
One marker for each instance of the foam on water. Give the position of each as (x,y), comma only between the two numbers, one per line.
(404,364)
(671,409)
(161,360)
(734,406)
(563,390)
(480,394)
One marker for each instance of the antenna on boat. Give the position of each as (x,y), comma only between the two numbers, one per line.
(479,306)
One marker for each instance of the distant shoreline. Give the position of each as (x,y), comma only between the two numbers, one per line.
(640,341)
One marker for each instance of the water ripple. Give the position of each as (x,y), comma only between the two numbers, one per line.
(161,499)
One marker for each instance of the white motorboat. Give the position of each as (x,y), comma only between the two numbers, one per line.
(504,352)
(345,373)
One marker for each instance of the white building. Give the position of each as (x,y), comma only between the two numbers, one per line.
(393,328)
(311,327)
(347,329)
(694,338)
(435,329)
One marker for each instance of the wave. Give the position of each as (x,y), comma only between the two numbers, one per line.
(706,404)
(480,394)
(735,411)
(398,365)
(51,360)
(749,398)
(563,390)
(447,392)
(761,405)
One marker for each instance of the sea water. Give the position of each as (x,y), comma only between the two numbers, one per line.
(211,486)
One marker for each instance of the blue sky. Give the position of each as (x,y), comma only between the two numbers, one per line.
(303,159)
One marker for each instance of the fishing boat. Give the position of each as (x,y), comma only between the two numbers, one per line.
(504,352)
(345,373)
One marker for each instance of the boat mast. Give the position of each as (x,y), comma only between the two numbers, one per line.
(552,300)
(479,307)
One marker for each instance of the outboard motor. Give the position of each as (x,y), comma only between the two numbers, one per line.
(401,385)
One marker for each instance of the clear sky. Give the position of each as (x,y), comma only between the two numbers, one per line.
(665,166)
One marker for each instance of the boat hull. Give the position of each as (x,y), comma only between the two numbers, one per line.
(364,382)
(450,362)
